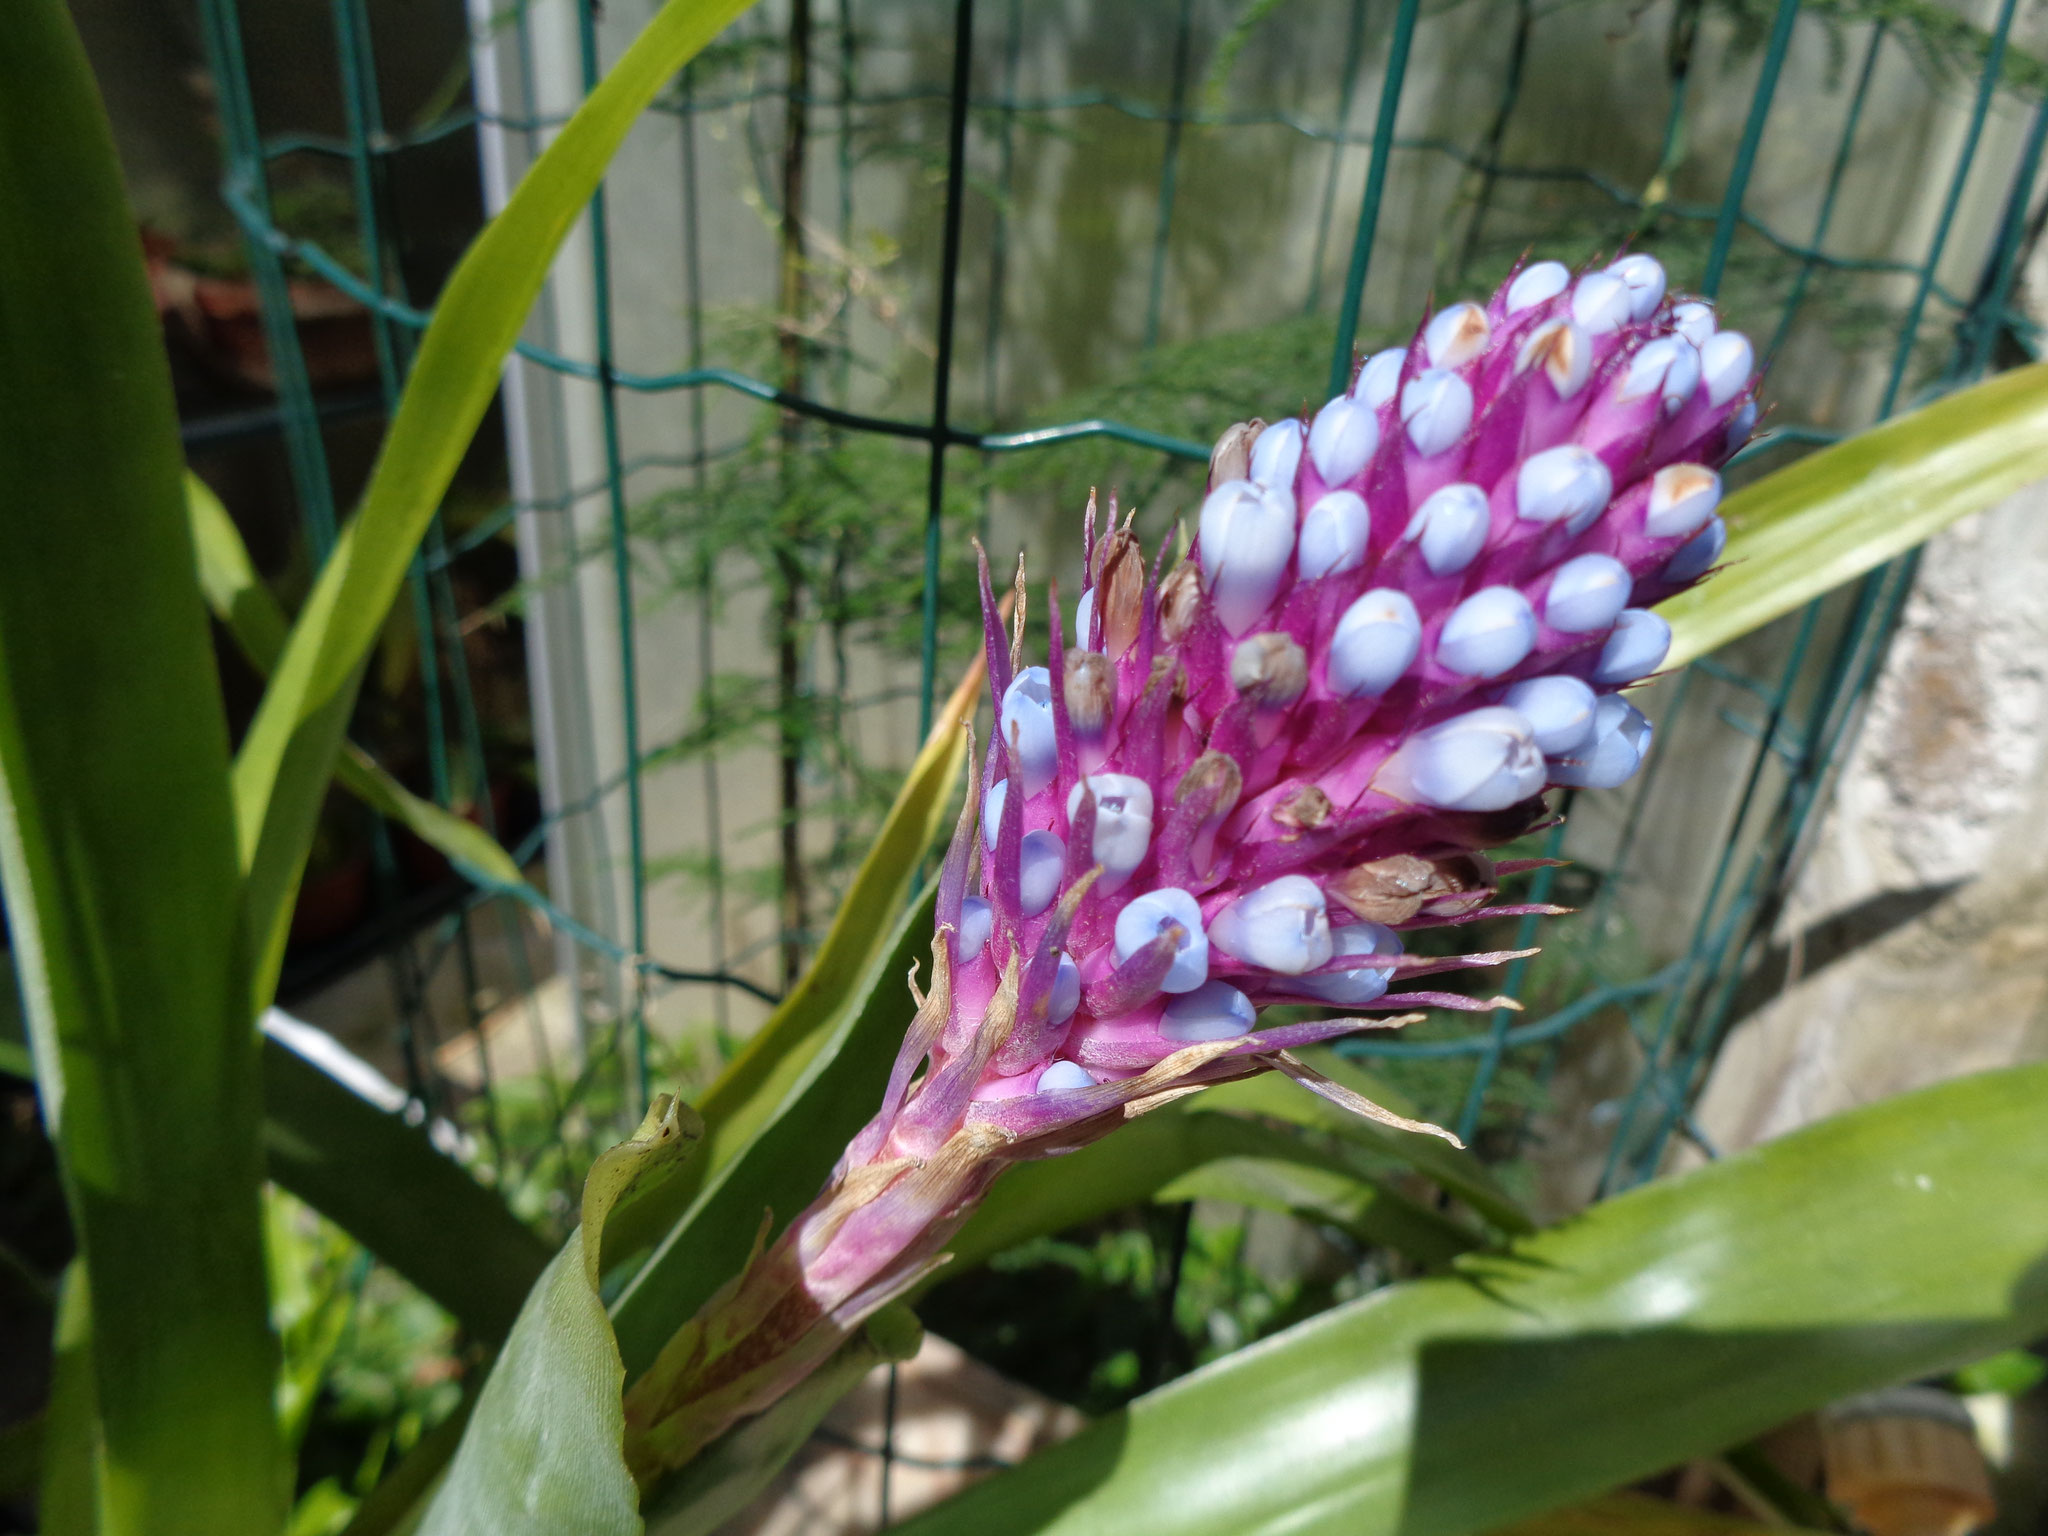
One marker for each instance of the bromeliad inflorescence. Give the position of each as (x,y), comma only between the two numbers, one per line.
(1234,781)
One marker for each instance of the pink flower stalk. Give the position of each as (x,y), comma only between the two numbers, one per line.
(1398,624)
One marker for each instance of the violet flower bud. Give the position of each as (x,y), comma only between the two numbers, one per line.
(1363,984)
(1538,283)
(1436,408)
(1587,594)
(1635,649)
(1375,642)
(1380,377)
(1697,555)
(1277,455)
(1455,336)
(1342,441)
(1027,720)
(1213,1011)
(1247,534)
(1334,536)
(1489,633)
(1486,760)
(1450,528)
(1612,751)
(1643,277)
(1146,917)
(1682,498)
(1123,824)
(1281,927)
(1559,709)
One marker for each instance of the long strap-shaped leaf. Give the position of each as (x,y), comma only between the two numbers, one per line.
(837,984)
(1806,529)
(288,755)
(117,842)
(1671,1322)
(541,1455)
(250,613)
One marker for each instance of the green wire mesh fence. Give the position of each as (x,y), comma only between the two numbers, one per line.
(875,277)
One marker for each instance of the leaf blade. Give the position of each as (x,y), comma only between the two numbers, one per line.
(1671,1321)
(250,613)
(1804,530)
(542,1453)
(774,1060)
(116,831)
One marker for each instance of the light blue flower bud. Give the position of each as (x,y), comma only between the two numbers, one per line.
(1145,917)
(1436,408)
(1066,991)
(1380,377)
(1343,439)
(1084,619)
(1600,303)
(1455,336)
(1281,927)
(1643,276)
(977,922)
(1586,593)
(1726,363)
(1027,720)
(1213,1011)
(992,812)
(1567,484)
(1334,535)
(1247,540)
(1367,984)
(1668,366)
(1039,863)
(1559,710)
(1064,1077)
(1374,643)
(1635,649)
(1537,284)
(1620,737)
(1694,320)
(1485,760)
(1565,353)
(1123,824)
(1451,527)
(1682,498)
(1489,633)
(1698,554)
(1276,455)
(1741,424)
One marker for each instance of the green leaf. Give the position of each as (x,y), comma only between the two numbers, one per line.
(1185,1151)
(382,1181)
(117,844)
(785,1164)
(2010,1372)
(1805,529)
(1668,1323)
(542,1452)
(1454,1169)
(759,1079)
(288,756)
(250,613)
(731,1473)
(69,1501)
(1636,1514)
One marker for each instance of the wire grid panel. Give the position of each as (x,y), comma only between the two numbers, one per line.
(875,276)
